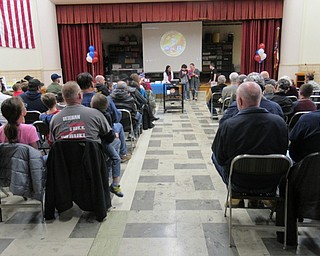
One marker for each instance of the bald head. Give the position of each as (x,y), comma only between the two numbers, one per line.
(99,79)
(248,95)
(264,74)
(71,93)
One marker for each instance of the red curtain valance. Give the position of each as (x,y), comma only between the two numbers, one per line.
(170,11)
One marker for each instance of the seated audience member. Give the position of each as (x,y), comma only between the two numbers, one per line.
(101,86)
(142,105)
(15,131)
(28,78)
(85,81)
(24,85)
(122,99)
(292,89)
(3,97)
(268,91)
(17,89)
(305,136)
(55,86)
(281,98)
(217,88)
(309,79)
(230,90)
(32,97)
(221,83)
(50,101)
(304,103)
(242,133)
(60,101)
(271,106)
(76,121)
(100,102)
(267,79)
(135,77)
(3,87)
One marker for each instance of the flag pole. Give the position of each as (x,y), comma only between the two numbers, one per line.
(276,53)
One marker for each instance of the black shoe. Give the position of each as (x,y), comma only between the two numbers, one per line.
(151,126)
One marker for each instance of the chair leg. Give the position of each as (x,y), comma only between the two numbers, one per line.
(230,220)
(226,205)
(4,191)
(0,211)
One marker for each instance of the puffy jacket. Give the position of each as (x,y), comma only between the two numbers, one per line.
(22,169)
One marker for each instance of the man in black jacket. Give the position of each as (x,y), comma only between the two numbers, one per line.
(32,97)
(252,131)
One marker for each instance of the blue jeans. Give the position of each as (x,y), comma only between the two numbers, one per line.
(220,170)
(118,128)
(114,159)
(186,95)
(139,117)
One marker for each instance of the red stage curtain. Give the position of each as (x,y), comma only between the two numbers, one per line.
(255,32)
(222,10)
(74,43)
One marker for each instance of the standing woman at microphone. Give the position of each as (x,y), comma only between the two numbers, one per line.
(194,80)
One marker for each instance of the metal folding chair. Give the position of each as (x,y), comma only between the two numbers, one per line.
(127,124)
(294,119)
(32,116)
(215,102)
(262,174)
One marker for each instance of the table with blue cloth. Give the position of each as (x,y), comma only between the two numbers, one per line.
(157,88)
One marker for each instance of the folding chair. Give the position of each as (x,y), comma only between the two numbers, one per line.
(294,119)
(226,103)
(43,131)
(32,116)
(307,190)
(215,101)
(127,124)
(262,174)
(315,98)
(293,98)
(11,154)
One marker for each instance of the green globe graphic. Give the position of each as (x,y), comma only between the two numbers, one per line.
(173,43)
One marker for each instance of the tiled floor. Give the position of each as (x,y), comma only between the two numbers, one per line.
(173,205)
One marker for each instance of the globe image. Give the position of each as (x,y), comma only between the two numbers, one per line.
(173,43)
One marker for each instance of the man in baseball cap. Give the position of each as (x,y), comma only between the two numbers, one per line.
(55,86)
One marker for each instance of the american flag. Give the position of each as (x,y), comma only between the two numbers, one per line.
(16,24)
(276,50)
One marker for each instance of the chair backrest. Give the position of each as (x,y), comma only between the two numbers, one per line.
(126,120)
(293,98)
(32,116)
(294,119)
(315,98)
(226,103)
(316,92)
(306,186)
(260,173)
(42,128)
(215,99)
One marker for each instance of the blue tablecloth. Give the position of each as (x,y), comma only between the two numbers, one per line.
(157,88)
